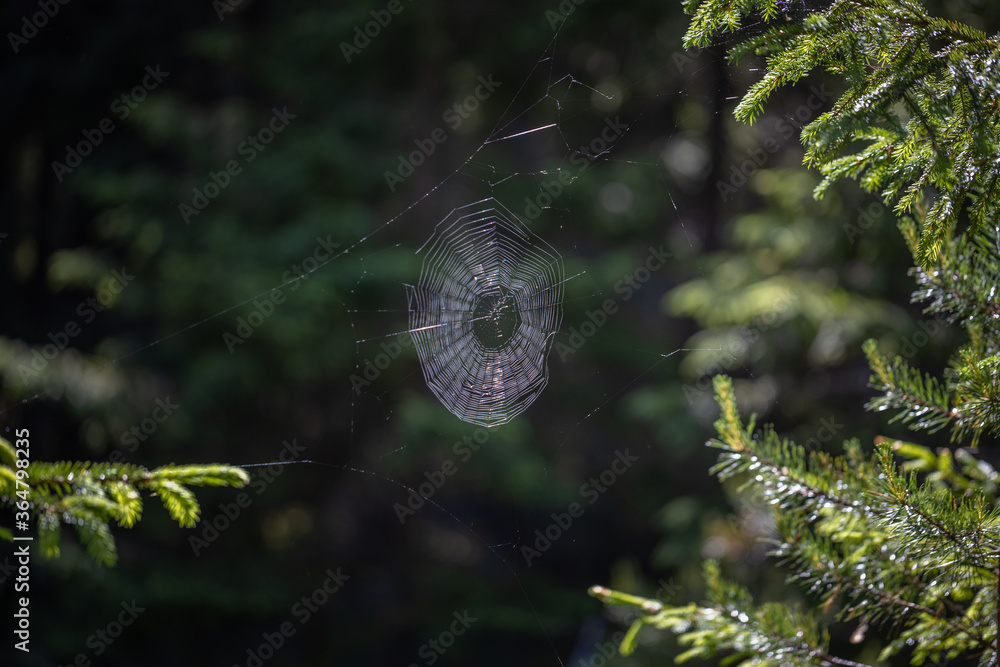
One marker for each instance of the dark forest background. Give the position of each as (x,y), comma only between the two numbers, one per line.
(765,283)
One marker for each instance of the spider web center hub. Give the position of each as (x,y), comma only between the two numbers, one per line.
(495,319)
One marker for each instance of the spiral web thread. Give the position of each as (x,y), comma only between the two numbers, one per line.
(485,311)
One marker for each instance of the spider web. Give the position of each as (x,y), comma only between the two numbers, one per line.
(485,312)
(488,306)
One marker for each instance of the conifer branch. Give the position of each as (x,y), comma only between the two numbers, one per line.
(858,555)
(89,496)
(892,55)
(921,400)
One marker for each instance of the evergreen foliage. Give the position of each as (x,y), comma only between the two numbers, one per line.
(919,111)
(909,552)
(874,542)
(89,496)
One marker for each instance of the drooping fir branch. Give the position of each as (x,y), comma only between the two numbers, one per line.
(977,390)
(962,283)
(920,399)
(969,401)
(89,496)
(960,286)
(920,110)
(868,541)
(808,481)
(769,634)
